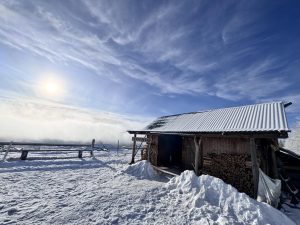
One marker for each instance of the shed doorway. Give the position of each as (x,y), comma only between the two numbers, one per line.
(169,150)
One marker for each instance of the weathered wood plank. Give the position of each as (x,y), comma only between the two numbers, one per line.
(167,171)
(197,153)
(46,144)
(133,149)
(254,165)
(140,139)
(51,150)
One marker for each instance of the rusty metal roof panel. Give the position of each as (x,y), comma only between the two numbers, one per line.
(250,118)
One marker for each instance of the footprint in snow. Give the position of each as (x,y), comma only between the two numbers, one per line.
(12,211)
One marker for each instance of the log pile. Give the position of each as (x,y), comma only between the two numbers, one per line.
(232,169)
(144,154)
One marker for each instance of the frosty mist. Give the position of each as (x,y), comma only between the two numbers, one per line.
(38,120)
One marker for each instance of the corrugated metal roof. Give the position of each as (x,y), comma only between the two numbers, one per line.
(263,117)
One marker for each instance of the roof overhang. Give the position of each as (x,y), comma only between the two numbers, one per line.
(267,134)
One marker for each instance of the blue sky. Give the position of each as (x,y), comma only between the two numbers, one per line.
(136,60)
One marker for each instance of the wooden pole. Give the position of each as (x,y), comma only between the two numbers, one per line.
(133,149)
(197,152)
(254,166)
(148,149)
(201,153)
(79,154)
(24,155)
(7,150)
(92,148)
(274,165)
(274,161)
(118,147)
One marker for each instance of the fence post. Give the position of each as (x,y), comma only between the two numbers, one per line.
(118,147)
(24,155)
(80,154)
(93,146)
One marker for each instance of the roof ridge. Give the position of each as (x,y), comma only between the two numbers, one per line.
(209,110)
(231,107)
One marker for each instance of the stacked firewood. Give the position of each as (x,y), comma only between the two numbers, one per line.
(232,169)
(144,154)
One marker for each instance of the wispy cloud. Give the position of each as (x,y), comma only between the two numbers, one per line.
(216,48)
(254,81)
(98,47)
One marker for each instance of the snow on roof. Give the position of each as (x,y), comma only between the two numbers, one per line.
(264,117)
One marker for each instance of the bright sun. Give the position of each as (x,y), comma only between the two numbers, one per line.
(51,87)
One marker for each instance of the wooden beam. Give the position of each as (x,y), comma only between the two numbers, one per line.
(140,139)
(7,150)
(274,165)
(254,166)
(197,153)
(166,171)
(133,149)
(45,144)
(50,150)
(148,148)
(274,148)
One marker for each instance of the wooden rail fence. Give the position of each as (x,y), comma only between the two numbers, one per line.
(25,147)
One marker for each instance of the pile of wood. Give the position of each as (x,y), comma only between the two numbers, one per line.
(144,154)
(232,169)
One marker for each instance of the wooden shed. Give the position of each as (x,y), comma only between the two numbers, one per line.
(229,143)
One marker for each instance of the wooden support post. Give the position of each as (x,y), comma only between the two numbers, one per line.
(274,163)
(79,154)
(92,146)
(201,154)
(197,153)
(24,155)
(148,149)
(254,166)
(7,150)
(133,149)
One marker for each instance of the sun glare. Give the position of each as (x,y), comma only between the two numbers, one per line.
(51,87)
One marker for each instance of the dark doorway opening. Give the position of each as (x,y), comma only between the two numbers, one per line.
(169,150)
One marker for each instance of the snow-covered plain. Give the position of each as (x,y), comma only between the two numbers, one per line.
(62,189)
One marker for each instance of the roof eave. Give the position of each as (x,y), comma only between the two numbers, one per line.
(261,134)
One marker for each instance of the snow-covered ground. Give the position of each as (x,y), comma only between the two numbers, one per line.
(61,189)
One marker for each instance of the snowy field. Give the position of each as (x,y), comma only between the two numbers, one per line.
(62,189)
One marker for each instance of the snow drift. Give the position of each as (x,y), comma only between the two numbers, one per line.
(213,201)
(142,170)
(105,190)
